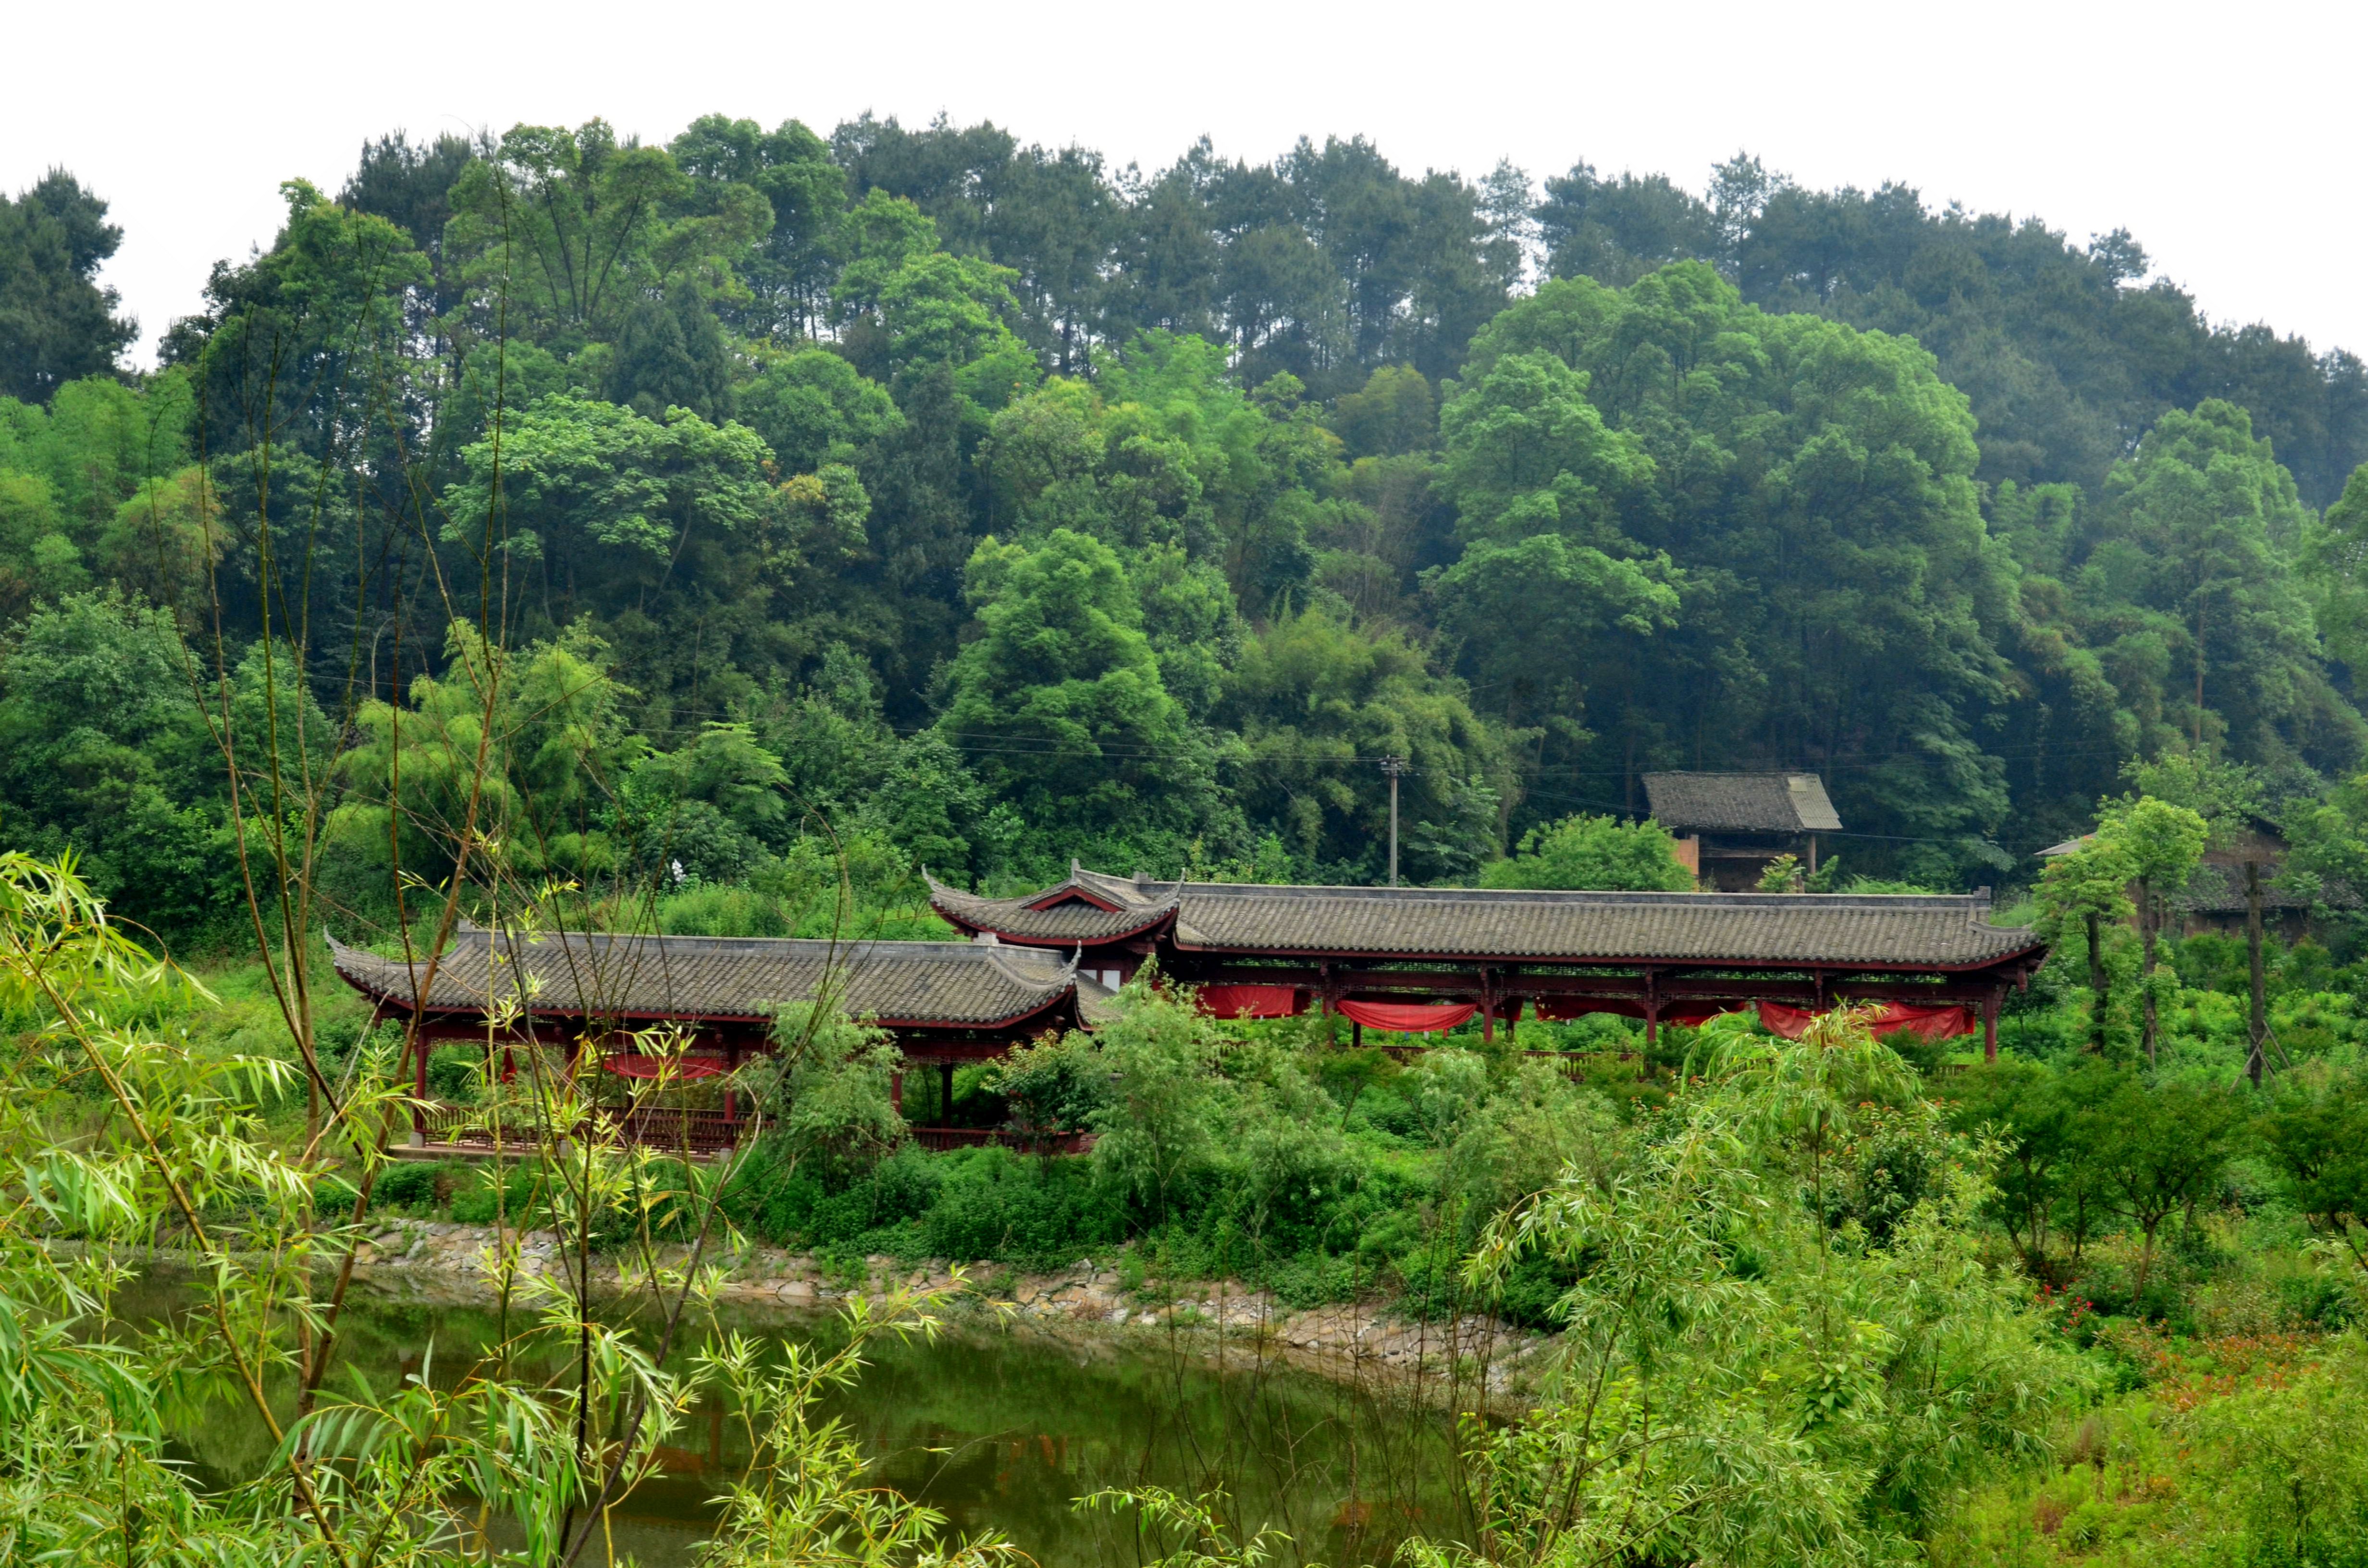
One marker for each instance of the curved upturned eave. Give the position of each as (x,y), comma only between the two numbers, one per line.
(950,904)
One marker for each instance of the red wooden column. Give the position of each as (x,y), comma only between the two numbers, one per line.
(1652,1023)
(1989,1026)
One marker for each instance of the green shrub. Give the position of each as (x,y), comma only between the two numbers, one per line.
(409,1185)
(521,1204)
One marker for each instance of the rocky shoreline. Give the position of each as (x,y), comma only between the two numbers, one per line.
(444,1263)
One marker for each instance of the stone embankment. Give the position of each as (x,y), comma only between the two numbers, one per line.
(435,1262)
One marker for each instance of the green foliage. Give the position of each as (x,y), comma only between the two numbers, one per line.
(2317,1139)
(830,1099)
(1593,852)
(1317,700)
(513,749)
(1159,1127)
(1653,516)
(1739,1382)
(1052,1084)
(2083,896)
(1711,433)
(57,323)
(1061,695)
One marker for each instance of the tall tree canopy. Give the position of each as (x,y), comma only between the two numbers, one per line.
(1015,506)
(57,321)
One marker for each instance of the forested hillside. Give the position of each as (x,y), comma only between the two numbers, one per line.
(982,505)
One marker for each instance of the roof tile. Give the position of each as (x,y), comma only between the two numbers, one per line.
(1741,802)
(955,984)
(1929,931)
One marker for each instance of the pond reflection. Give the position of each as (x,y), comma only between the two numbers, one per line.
(1001,1430)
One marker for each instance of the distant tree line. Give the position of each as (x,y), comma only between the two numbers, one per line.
(996,506)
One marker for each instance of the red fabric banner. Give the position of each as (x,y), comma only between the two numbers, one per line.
(1791,1023)
(1925,1023)
(626,1066)
(1251,1000)
(1897,1018)
(1410,1017)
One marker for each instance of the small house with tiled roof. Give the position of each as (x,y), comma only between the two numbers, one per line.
(1729,826)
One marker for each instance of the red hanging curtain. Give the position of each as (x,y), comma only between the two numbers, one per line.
(1251,1000)
(1925,1023)
(626,1066)
(1896,1017)
(1410,1017)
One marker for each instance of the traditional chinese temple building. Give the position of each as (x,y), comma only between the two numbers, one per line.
(1415,960)
(1259,950)
(945,1002)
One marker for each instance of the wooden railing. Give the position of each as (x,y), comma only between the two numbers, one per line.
(658,1127)
(1572,1063)
(670,1127)
(710,1132)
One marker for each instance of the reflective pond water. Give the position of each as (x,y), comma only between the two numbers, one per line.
(1002,1429)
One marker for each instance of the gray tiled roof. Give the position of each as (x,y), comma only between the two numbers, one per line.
(1741,802)
(952,984)
(1882,929)
(1072,911)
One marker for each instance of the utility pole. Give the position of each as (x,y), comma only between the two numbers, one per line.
(1394,765)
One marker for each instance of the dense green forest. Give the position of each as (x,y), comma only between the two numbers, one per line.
(996,506)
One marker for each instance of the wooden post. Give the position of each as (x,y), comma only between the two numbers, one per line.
(1356,1035)
(1488,1024)
(731,1095)
(945,1093)
(1989,1026)
(2259,1016)
(419,1092)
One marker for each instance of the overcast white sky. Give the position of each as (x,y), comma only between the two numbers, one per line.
(2228,139)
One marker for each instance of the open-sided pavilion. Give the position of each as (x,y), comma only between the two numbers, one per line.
(1406,959)
(599,995)
(1660,957)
